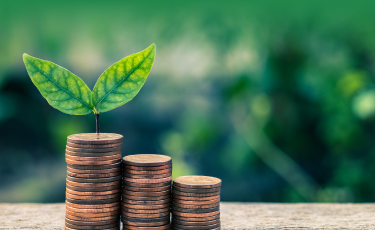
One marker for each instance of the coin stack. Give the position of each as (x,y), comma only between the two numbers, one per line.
(146,192)
(93,184)
(196,202)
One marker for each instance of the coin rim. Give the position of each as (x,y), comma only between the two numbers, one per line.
(147,172)
(142,164)
(94,227)
(148,181)
(98,158)
(195,198)
(145,224)
(145,198)
(190,194)
(88,202)
(93,150)
(150,185)
(92,206)
(148,168)
(101,141)
(146,194)
(98,222)
(93,175)
(197,185)
(94,180)
(148,202)
(195,214)
(93,189)
(85,214)
(174,200)
(150,189)
(196,210)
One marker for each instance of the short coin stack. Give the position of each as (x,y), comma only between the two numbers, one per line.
(93,184)
(146,192)
(196,202)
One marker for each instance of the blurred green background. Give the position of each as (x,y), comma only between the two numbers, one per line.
(276,98)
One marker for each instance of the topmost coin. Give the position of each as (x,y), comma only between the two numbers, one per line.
(146,160)
(197,182)
(95,138)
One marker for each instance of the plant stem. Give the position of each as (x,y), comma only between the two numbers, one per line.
(97,122)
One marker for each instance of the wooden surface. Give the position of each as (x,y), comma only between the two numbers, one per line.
(233,216)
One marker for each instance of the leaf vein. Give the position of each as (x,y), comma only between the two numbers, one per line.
(66,91)
(132,71)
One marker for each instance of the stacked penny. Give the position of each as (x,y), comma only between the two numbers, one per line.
(146,192)
(196,202)
(93,184)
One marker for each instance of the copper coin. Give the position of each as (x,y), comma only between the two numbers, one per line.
(95,138)
(195,198)
(92,176)
(144,207)
(93,189)
(79,184)
(147,181)
(196,190)
(156,176)
(73,226)
(196,219)
(115,228)
(196,223)
(197,182)
(146,160)
(93,210)
(145,224)
(143,172)
(147,202)
(163,227)
(90,214)
(93,193)
(156,185)
(92,206)
(85,154)
(99,158)
(92,163)
(131,193)
(92,218)
(96,180)
(176,192)
(188,206)
(87,150)
(194,202)
(85,197)
(155,189)
(98,171)
(145,211)
(202,227)
(95,167)
(145,215)
(106,201)
(195,214)
(144,198)
(88,146)
(195,210)
(151,219)
(147,168)
(100,222)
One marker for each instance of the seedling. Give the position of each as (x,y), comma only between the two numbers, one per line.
(68,93)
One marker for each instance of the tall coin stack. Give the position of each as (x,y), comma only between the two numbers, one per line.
(196,202)
(93,184)
(146,192)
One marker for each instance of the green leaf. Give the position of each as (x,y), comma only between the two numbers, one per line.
(123,80)
(62,89)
